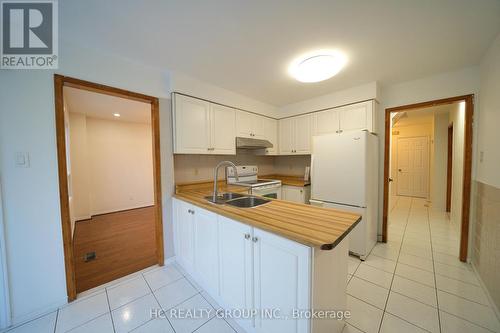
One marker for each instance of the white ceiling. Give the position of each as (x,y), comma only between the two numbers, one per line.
(103,106)
(424,115)
(245,46)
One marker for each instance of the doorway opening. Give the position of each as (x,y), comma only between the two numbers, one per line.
(109,182)
(427,164)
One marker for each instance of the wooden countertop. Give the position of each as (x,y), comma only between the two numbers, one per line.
(313,226)
(288,180)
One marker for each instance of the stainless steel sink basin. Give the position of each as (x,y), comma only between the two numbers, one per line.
(247,202)
(222,198)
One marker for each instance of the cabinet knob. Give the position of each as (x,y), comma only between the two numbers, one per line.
(247,236)
(255,239)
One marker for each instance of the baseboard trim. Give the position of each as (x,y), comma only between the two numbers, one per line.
(26,318)
(488,295)
(169,260)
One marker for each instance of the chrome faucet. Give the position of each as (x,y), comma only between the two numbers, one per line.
(216,172)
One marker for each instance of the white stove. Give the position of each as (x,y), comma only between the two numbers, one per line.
(247,175)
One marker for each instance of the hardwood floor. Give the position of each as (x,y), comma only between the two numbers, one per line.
(124,243)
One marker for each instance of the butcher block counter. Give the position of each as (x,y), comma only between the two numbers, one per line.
(281,256)
(288,180)
(309,225)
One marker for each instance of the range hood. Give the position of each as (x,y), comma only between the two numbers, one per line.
(250,143)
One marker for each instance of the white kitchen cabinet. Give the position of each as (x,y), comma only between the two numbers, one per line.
(271,134)
(325,122)
(302,134)
(201,127)
(300,194)
(249,125)
(235,250)
(184,237)
(295,135)
(357,117)
(206,249)
(281,281)
(222,130)
(243,267)
(191,125)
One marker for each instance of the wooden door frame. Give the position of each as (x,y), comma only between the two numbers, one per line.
(449,168)
(60,82)
(467,175)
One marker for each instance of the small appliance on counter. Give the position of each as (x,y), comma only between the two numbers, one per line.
(268,188)
(344,176)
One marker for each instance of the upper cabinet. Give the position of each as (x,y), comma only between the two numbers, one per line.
(295,135)
(201,127)
(359,116)
(271,134)
(249,125)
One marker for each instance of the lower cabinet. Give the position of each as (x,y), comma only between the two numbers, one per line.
(236,267)
(206,250)
(281,281)
(249,270)
(300,194)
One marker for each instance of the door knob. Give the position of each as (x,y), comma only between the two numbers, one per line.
(400,170)
(390,179)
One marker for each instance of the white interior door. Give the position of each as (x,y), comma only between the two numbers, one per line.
(413,166)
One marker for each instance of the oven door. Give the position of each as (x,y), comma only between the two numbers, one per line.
(273,192)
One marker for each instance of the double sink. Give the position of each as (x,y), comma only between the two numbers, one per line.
(238,200)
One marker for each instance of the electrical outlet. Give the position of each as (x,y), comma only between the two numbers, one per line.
(196,171)
(481,156)
(22,160)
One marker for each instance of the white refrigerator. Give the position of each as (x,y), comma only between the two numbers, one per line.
(344,172)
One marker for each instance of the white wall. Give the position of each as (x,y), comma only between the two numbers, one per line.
(438,190)
(489,107)
(31,195)
(457,117)
(356,94)
(79,172)
(461,82)
(120,164)
(191,86)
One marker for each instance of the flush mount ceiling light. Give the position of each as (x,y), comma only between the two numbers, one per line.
(116,115)
(317,66)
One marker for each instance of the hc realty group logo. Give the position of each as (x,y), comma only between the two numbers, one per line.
(29,34)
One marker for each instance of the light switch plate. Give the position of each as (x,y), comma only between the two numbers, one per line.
(22,160)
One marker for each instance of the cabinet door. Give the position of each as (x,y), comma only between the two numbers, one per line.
(286,128)
(302,134)
(235,265)
(356,117)
(325,122)
(185,237)
(223,130)
(192,125)
(281,281)
(271,134)
(206,248)
(293,193)
(258,126)
(244,124)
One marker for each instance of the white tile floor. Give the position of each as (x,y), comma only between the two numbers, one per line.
(125,306)
(413,283)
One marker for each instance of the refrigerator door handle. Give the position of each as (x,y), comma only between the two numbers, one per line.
(316,202)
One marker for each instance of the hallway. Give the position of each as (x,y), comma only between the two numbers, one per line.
(415,282)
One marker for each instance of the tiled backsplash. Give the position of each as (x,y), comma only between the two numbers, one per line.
(188,168)
(486,252)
